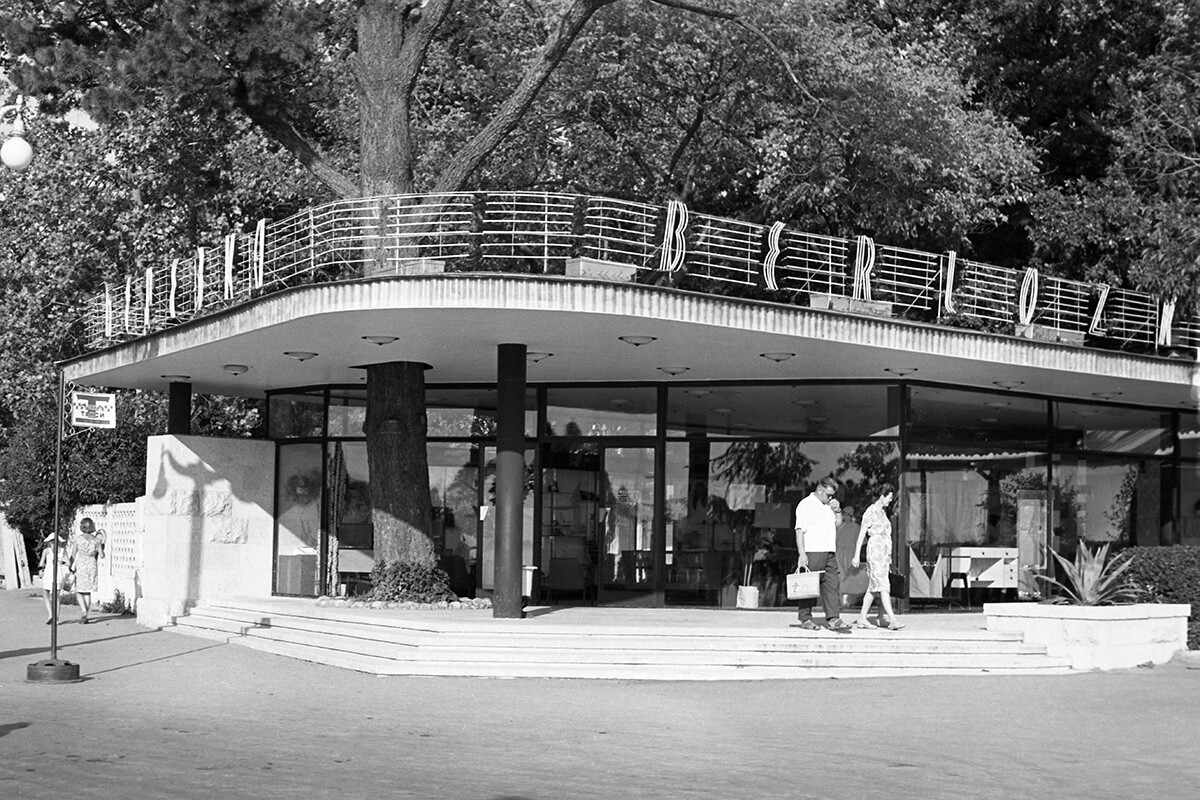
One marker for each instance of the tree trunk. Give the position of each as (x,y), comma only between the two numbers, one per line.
(401,505)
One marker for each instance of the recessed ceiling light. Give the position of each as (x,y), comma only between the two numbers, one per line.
(777,357)
(673,370)
(300,355)
(638,341)
(536,357)
(176,378)
(236,369)
(380,340)
(1009,384)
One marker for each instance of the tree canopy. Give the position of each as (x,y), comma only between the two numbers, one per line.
(1059,133)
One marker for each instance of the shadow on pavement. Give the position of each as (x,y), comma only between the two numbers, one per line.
(9,727)
(28,651)
(160,658)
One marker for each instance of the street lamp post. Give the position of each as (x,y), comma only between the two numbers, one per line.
(17,154)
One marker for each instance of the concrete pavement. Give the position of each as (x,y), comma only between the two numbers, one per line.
(164,715)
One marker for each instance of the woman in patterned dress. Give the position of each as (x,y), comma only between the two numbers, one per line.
(86,548)
(878,529)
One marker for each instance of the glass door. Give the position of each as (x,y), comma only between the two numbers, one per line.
(597,524)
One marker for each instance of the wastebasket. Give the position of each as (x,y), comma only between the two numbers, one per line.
(527,573)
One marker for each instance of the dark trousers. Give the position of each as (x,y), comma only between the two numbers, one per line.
(831,587)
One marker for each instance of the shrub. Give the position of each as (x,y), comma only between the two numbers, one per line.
(118,605)
(402,581)
(1169,575)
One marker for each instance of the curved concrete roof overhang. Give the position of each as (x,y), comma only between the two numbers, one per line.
(455,322)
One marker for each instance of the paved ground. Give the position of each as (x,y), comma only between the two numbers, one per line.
(167,716)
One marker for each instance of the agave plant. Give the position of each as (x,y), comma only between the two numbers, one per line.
(1093,579)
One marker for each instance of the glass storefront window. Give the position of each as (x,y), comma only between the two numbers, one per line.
(296,416)
(832,410)
(298,519)
(1189,493)
(598,522)
(347,412)
(1112,429)
(470,412)
(1004,421)
(730,507)
(969,498)
(352,538)
(602,411)
(1189,435)
(1100,500)
(454,489)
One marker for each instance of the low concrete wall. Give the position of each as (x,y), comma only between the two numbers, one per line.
(208,523)
(1097,637)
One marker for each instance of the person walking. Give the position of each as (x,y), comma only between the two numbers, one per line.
(816,539)
(878,529)
(49,593)
(87,547)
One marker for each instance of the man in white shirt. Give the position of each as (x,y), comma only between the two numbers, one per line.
(816,539)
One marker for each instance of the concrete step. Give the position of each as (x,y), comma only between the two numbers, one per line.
(783,641)
(398,646)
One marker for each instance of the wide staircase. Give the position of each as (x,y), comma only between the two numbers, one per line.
(655,646)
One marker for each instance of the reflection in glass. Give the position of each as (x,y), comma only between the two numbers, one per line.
(296,416)
(454,488)
(1112,429)
(1102,500)
(352,539)
(1006,422)
(730,508)
(470,412)
(485,551)
(834,410)
(1189,491)
(298,520)
(603,411)
(970,498)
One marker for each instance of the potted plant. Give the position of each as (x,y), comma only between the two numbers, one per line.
(1096,619)
(752,547)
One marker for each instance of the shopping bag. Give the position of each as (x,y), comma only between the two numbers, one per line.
(803,585)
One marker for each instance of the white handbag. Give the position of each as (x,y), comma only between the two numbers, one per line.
(803,585)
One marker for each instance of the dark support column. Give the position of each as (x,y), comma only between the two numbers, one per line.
(179,408)
(510,479)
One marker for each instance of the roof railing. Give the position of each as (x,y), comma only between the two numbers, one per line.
(538,233)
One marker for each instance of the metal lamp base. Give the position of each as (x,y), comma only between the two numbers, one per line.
(52,671)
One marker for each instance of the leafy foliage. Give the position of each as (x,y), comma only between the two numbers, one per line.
(1169,575)
(409,582)
(1092,579)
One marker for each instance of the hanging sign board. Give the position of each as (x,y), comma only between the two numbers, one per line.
(93,410)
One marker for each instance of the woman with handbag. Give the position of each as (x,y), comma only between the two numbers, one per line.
(87,546)
(877,529)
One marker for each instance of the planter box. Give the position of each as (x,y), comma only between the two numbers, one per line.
(600,270)
(1042,333)
(833,302)
(410,266)
(1097,637)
